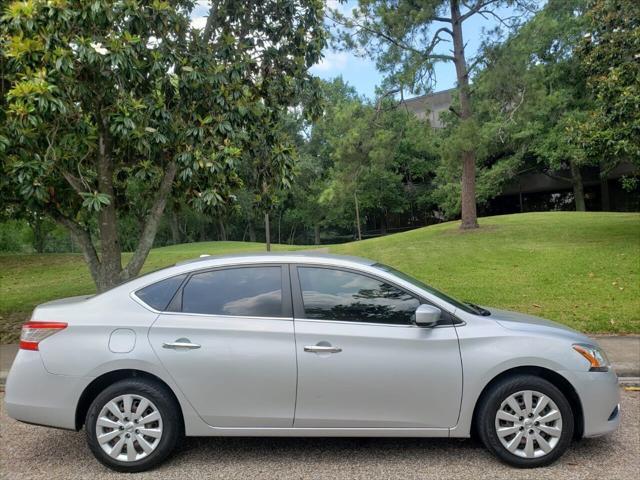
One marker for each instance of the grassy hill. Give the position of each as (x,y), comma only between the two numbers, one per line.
(581,269)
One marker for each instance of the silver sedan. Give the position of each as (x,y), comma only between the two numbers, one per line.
(303,345)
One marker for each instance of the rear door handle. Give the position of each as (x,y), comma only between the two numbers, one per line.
(322,349)
(181,344)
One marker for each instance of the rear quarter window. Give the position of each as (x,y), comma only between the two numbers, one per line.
(159,294)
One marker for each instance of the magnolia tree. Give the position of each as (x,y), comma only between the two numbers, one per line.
(110,107)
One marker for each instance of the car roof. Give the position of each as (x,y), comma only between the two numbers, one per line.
(299,256)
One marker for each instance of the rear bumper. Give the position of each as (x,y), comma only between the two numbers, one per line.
(36,396)
(599,394)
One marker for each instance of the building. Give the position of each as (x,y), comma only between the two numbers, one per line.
(537,191)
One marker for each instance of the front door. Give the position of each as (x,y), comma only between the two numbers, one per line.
(230,346)
(362,362)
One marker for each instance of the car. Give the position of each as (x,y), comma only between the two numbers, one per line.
(288,344)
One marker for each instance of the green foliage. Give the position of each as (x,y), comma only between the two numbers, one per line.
(111,105)
(528,100)
(609,56)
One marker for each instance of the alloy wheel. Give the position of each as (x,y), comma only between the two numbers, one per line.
(129,428)
(529,424)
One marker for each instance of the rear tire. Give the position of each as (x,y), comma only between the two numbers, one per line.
(133,425)
(525,421)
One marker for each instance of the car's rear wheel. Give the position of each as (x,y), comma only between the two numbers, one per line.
(526,421)
(132,425)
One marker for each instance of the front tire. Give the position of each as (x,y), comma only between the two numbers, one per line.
(133,425)
(526,421)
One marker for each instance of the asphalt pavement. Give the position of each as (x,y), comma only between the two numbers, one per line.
(30,452)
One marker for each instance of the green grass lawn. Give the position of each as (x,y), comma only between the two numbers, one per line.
(29,279)
(581,269)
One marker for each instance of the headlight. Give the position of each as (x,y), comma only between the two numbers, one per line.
(594,355)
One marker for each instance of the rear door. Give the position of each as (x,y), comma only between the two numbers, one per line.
(229,345)
(362,362)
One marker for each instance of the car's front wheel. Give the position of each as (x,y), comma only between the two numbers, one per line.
(132,425)
(526,421)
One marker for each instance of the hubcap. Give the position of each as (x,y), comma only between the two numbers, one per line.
(129,428)
(529,424)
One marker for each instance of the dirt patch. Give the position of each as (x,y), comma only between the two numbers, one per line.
(10,325)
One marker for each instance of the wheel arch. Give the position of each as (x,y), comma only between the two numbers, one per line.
(98,384)
(560,382)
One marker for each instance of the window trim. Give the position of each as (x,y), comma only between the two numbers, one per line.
(175,305)
(298,302)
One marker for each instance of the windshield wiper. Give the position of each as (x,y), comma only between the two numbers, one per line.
(479,310)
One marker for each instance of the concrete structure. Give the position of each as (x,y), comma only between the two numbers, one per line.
(431,106)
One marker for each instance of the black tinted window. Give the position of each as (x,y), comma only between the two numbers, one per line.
(160,294)
(339,295)
(248,291)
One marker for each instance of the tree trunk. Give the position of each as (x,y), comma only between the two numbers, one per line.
(267,232)
(202,230)
(252,231)
(468,183)
(316,234)
(111,255)
(223,232)
(605,199)
(355,197)
(279,222)
(174,225)
(578,187)
(38,235)
(383,224)
(152,221)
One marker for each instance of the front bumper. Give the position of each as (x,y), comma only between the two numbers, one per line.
(599,395)
(36,396)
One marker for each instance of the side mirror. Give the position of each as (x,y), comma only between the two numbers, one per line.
(427,315)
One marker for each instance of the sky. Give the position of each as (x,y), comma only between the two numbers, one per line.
(361,73)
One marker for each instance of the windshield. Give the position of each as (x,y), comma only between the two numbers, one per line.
(466,307)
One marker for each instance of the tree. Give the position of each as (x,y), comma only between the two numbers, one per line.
(609,57)
(405,38)
(379,154)
(113,106)
(529,97)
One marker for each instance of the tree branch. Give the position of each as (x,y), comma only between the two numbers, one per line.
(151,224)
(473,9)
(208,27)
(83,237)
(399,44)
(75,182)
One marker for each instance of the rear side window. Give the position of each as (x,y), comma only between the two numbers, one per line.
(339,295)
(246,291)
(159,294)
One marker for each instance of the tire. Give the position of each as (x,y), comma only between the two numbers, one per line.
(525,441)
(133,440)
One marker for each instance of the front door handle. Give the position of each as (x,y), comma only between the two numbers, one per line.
(322,349)
(181,344)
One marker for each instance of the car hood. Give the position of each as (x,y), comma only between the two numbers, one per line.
(530,323)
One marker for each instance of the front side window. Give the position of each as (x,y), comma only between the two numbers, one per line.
(339,295)
(246,291)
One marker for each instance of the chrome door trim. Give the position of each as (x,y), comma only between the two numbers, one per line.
(178,345)
(322,349)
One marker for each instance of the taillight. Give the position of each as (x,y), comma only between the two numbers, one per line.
(34,332)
